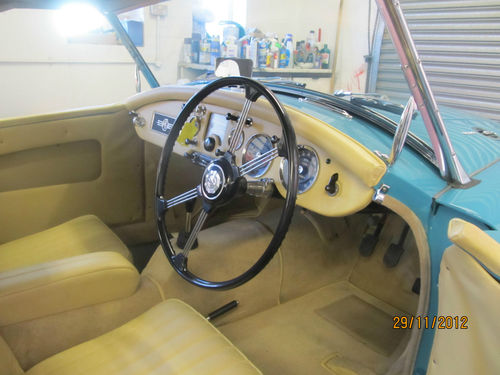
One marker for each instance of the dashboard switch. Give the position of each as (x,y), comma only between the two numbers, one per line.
(332,188)
(209,144)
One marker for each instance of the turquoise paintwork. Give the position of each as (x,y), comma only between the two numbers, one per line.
(416,183)
(474,149)
(480,202)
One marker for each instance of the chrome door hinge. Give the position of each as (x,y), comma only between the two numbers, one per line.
(380,193)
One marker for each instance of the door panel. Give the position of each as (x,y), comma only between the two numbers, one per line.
(469,289)
(76,162)
(57,167)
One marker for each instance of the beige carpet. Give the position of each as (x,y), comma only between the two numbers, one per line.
(328,331)
(350,314)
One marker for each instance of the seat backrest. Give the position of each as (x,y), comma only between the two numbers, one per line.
(8,362)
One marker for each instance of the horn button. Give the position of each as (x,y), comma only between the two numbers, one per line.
(219,182)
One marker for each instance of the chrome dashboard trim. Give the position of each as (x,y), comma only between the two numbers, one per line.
(309,148)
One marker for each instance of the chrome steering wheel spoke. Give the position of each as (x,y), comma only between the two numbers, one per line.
(233,144)
(194,233)
(259,161)
(163,205)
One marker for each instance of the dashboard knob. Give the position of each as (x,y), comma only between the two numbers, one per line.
(209,144)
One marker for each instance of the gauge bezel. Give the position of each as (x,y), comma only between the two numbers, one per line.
(282,164)
(243,153)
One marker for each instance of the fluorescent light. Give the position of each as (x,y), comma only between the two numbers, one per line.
(79,18)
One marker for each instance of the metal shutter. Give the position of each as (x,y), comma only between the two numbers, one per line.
(459,44)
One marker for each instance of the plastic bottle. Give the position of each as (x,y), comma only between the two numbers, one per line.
(274,53)
(262,52)
(276,60)
(214,50)
(205,51)
(284,59)
(325,57)
(316,58)
(230,47)
(254,52)
(288,43)
(311,41)
(187,51)
(300,53)
(195,48)
(245,48)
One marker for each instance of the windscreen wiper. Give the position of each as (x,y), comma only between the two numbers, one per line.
(380,104)
(364,112)
(373,101)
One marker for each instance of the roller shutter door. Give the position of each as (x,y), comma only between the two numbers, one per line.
(459,44)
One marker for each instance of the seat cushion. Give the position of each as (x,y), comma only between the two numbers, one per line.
(83,235)
(170,338)
(8,362)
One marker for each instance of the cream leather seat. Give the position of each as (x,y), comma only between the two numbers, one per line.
(83,235)
(170,338)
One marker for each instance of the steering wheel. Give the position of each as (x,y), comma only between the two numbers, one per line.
(223,180)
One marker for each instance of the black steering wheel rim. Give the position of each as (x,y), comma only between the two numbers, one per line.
(253,91)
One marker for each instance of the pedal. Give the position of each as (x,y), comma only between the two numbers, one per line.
(416,286)
(372,234)
(222,310)
(394,252)
(183,236)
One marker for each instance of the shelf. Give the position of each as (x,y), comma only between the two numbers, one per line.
(270,72)
(197,66)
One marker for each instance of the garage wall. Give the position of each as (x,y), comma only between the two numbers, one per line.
(351,67)
(298,18)
(459,44)
(40,72)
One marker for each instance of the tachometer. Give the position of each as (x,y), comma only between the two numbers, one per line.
(308,169)
(256,146)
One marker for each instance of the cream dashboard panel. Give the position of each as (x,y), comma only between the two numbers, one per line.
(357,168)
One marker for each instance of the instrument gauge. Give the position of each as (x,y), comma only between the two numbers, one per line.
(256,146)
(308,169)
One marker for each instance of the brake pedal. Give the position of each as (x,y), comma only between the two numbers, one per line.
(372,234)
(394,252)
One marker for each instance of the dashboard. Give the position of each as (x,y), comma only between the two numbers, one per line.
(336,174)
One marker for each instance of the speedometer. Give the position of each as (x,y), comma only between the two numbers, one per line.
(308,169)
(256,146)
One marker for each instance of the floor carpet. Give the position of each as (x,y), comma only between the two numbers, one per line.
(337,329)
